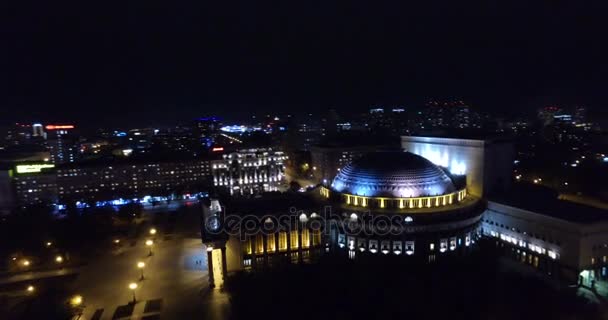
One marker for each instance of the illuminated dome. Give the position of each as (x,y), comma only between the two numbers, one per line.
(392,175)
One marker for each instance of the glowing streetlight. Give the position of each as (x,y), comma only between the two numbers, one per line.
(30,289)
(152,231)
(48,244)
(133,286)
(141,265)
(25,263)
(149,243)
(59,259)
(116,241)
(76,300)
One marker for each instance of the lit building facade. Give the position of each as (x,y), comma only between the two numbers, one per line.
(207,129)
(428,213)
(249,171)
(35,186)
(564,240)
(62,144)
(486,163)
(159,178)
(279,237)
(432,213)
(44,183)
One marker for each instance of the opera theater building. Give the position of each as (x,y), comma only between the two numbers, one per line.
(399,203)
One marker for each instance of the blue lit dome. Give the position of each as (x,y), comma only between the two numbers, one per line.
(392,175)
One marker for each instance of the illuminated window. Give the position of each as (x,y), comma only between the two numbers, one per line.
(294,257)
(409,247)
(397,248)
(247,246)
(259,244)
(373,246)
(282,241)
(294,239)
(305,238)
(270,244)
(385,247)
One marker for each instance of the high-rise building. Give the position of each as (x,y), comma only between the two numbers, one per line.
(450,115)
(18,134)
(388,120)
(62,143)
(38,130)
(207,129)
(547,114)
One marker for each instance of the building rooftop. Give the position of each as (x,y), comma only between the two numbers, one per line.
(546,202)
(463,134)
(392,174)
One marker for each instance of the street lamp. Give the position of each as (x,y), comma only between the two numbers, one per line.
(141,265)
(48,244)
(149,243)
(59,259)
(76,302)
(30,289)
(116,241)
(152,231)
(25,263)
(133,286)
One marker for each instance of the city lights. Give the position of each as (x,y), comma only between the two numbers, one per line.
(76,300)
(149,244)
(58,127)
(132,287)
(33,168)
(141,265)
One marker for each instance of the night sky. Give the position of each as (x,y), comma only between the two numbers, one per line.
(105,62)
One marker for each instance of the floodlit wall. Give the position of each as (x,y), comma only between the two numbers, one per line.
(488,165)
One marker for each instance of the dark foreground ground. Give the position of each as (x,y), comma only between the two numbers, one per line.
(471,288)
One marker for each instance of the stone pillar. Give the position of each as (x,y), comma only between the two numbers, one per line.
(224,263)
(265,241)
(288,234)
(210,268)
(300,244)
(254,259)
(277,253)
